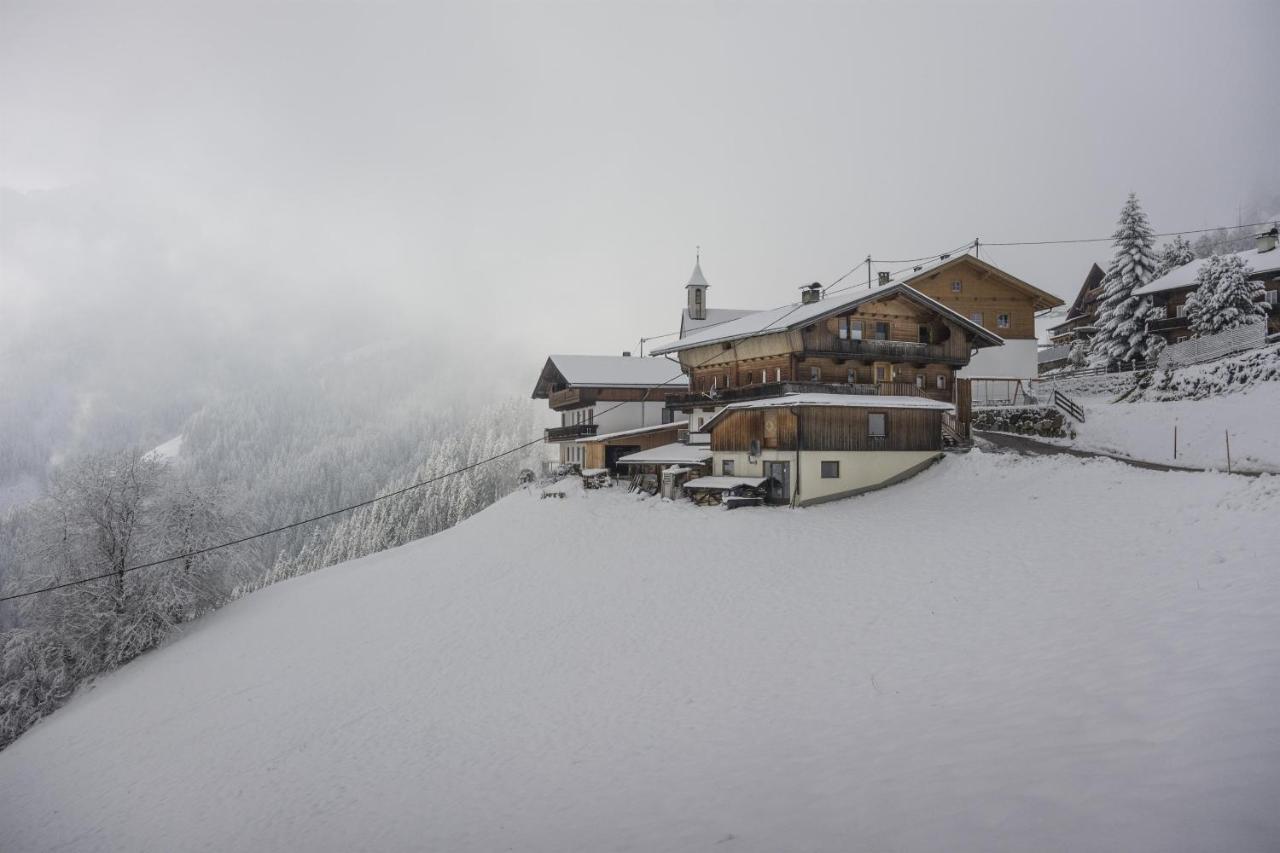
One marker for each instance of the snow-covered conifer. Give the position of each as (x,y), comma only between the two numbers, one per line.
(1176,253)
(1225,297)
(1122,329)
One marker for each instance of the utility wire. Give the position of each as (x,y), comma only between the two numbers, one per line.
(299,523)
(1112,237)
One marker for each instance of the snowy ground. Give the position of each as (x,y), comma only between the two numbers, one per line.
(1145,430)
(1004,653)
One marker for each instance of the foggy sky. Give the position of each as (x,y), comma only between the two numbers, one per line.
(539,174)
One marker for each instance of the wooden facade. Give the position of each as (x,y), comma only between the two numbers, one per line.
(603,452)
(840,428)
(987,295)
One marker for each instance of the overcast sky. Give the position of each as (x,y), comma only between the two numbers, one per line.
(539,174)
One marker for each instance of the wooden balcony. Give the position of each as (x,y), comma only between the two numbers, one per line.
(572,432)
(1167,323)
(568,398)
(776,389)
(825,345)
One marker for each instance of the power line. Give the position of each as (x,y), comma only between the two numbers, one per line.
(1112,237)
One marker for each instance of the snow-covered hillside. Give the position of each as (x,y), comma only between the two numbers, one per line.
(1238,396)
(1002,653)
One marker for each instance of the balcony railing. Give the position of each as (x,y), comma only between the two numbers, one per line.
(1167,323)
(571,432)
(826,344)
(775,389)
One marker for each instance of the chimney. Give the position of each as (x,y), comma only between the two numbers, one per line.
(810,293)
(884,279)
(626,353)
(1266,241)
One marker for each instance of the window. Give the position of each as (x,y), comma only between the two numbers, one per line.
(1002,321)
(764,376)
(667,415)
(830,470)
(942,381)
(920,380)
(882,332)
(882,373)
(1182,310)
(777,374)
(1272,297)
(924,334)
(976,317)
(855,330)
(955,287)
(876,424)
(701,421)
(844,328)
(815,373)
(852,376)
(726,467)
(1180,339)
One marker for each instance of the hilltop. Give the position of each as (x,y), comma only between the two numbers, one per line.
(1002,653)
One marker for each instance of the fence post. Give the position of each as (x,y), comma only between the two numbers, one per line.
(1175,440)
(1228,436)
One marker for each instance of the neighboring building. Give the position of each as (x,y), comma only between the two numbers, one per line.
(815,447)
(886,344)
(1169,292)
(1083,315)
(595,394)
(996,300)
(601,452)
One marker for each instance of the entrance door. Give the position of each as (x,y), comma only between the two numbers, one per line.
(779,485)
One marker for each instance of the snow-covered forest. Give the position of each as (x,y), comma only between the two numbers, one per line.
(143,382)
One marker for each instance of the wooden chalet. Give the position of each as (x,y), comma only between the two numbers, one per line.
(594,394)
(1083,313)
(1169,293)
(992,298)
(891,340)
(815,447)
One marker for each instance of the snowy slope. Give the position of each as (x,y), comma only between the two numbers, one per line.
(1003,653)
(1144,430)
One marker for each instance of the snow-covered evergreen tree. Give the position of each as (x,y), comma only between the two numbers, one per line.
(1176,253)
(1079,353)
(1225,297)
(1122,317)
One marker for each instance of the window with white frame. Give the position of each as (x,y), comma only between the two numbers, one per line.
(955,286)
(877,424)
(919,380)
(844,328)
(855,329)
(1002,321)
(976,317)
(1182,310)
(777,374)
(852,376)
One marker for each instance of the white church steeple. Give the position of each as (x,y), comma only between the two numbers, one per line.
(697,288)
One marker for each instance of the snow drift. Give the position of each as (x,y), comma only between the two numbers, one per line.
(1000,654)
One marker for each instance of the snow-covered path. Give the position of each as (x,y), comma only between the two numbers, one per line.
(1004,653)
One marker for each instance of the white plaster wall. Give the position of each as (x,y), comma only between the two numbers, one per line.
(1016,358)
(859,469)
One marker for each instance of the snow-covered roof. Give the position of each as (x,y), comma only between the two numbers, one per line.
(1185,275)
(714,317)
(668,454)
(725,482)
(800,314)
(850,401)
(609,371)
(674,425)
